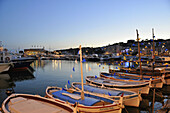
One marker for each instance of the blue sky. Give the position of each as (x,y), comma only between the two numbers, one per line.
(60,24)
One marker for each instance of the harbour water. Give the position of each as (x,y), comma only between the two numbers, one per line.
(61,73)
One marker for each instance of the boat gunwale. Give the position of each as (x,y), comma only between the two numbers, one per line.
(34,97)
(154,80)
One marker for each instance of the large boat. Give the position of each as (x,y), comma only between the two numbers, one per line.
(129,98)
(22,66)
(93,57)
(91,103)
(22,59)
(4,67)
(26,103)
(135,86)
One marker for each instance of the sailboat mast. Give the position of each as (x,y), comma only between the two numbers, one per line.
(139,54)
(82,92)
(153,45)
(153,54)
(153,57)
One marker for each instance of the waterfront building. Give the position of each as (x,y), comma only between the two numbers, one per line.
(35,51)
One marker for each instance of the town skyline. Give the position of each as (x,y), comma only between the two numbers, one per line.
(67,24)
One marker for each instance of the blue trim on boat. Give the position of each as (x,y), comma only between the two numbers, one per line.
(103,91)
(89,100)
(124,77)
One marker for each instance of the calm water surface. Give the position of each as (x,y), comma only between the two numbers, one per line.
(58,73)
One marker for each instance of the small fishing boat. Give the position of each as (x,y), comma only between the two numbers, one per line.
(26,103)
(124,85)
(154,81)
(129,98)
(137,71)
(165,76)
(91,103)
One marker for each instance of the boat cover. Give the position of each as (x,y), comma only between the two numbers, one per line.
(103,91)
(116,76)
(88,101)
(116,82)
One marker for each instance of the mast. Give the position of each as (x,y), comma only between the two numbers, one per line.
(139,54)
(82,92)
(153,62)
(153,54)
(153,46)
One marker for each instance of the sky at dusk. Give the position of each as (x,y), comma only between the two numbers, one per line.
(62,24)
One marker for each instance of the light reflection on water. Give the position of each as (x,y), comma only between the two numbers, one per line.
(56,73)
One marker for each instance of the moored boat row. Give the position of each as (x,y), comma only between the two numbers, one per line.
(107,93)
(130,98)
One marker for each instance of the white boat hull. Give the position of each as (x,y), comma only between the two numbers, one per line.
(4,67)
(144,88)
(156,83)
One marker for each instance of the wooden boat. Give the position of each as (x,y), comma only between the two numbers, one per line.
(164,76)
(125,85)
(25,103)
(137,71)
(91,103)
(4,67)
(129,99)
(154,81)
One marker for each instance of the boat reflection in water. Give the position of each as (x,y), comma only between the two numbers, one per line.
(7,81)
(21,75)
(58,72)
